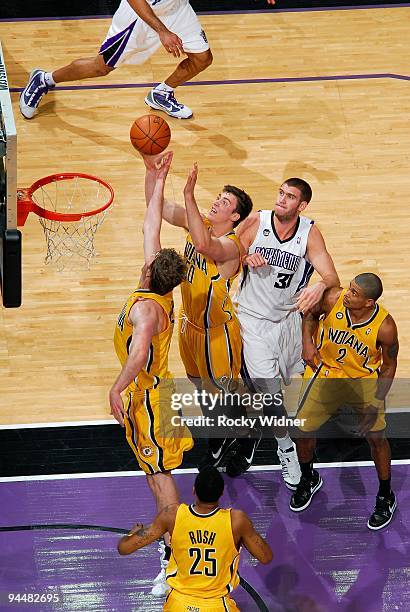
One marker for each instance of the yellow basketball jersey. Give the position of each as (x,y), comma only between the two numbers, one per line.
(205,294)
(204,559)
(156,367)
(350,347)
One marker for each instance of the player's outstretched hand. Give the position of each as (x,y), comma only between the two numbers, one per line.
(368,420)
(117,406)
(191,181)
(310,355)
(171,42)
(271,2)
(255,260)
(151,161)
(163,165)
(310,296)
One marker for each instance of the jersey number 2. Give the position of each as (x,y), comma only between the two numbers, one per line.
(208,561)
(342,355)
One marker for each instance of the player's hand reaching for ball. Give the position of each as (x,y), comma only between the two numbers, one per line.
(171,42)
(151,161)
(117,406)
(163,164)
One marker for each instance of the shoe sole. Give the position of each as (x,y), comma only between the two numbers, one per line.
(290,486)
(387,522)
(157,107)
(315,490)
(35,110)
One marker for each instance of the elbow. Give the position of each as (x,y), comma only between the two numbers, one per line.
(122,549)
(267,558)
(201,248)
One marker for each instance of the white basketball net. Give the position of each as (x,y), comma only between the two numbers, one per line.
(71,243)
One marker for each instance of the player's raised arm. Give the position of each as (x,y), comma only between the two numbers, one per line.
(144,320)
(220,249)
(172,212)
(322,262)
(153,214)
(242,528)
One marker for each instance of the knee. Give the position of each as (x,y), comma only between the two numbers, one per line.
(376,442)
(208,59)
(201,61)
(101,68)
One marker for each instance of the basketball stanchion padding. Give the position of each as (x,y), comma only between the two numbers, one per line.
(71,207)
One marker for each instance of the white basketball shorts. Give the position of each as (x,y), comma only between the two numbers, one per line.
(271,351)
(130,40)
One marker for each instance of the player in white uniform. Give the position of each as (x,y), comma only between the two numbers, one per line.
(283,249)
(137,30)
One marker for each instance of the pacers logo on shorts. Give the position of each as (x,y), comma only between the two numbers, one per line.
(147,451)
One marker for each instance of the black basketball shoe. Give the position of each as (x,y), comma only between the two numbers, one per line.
(383,512)
(242,457)
(305,490)
(218,450)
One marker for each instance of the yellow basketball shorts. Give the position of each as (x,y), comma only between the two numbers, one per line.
(212,355)
(158,445)
(327,392)
(176,602)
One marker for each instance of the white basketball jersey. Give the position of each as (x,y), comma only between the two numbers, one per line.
(270,292)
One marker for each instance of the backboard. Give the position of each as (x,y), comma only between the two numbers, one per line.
(10,236)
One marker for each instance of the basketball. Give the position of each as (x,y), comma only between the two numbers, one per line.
(150,134)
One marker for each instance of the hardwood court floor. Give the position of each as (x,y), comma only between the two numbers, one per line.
(346,132)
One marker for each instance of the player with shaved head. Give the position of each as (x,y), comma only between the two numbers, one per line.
(350,345)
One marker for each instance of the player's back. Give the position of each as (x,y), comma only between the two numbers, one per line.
(270,292)
(205,293)
(204,559)
(156,367)
(348,347)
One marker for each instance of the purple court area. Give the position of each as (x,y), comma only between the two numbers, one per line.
(325,558)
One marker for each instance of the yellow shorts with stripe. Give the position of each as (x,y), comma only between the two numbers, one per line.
(177,602)
(327,392)
(158,445)
(213,355)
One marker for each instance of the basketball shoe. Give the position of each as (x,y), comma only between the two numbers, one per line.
(383,512)
(290,466)
(218,452)
(161,588)
(305,491)
(165,101)
(241,459)
(31,95)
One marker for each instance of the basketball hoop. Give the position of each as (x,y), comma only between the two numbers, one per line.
(59,201)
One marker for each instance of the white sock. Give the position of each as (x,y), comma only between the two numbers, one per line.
(284,443)
(163,87)
(48,77)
